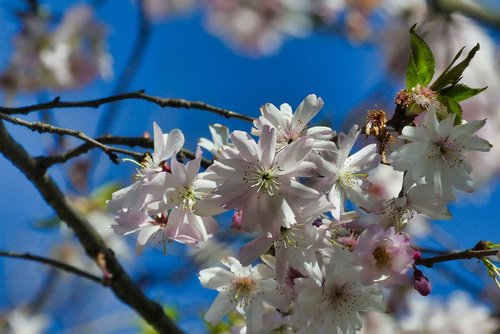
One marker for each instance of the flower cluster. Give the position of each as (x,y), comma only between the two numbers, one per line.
(291,187)
(68,56)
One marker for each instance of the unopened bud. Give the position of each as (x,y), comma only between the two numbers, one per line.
(237,218)
(421,283)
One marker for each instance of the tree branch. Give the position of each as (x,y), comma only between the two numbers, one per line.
(121,284)
(44,127)
(144,142)
(54,263)
(463,255)
(137,95)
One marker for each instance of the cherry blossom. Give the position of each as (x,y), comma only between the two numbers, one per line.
(245,289)
(436,152)
(262,183)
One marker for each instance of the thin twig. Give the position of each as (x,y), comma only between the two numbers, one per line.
(138,95)
(121,284)
(48,161)
(53,263)
(44,127)
(463,255)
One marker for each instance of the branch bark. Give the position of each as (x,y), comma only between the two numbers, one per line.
(48,161)
(54,263)
(463,255)
(137,95)
(44,127)
(121,284)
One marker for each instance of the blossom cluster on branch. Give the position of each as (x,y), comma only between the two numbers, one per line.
(328,244)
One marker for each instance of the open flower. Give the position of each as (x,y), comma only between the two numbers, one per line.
(262,183)
(436,152)
(347,176)
(292,126)
(335,306)
(385,256)
(131,204)
(244,289)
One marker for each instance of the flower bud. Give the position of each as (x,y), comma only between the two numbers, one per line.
(237,218)
(421,283)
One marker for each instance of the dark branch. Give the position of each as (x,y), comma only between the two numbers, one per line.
(121,284)
(138,95)
(44,127)
(47,162)
(463,255)
(53,263)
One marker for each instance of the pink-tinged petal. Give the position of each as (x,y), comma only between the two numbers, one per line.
(365,159)
(468,128)
(220,134)
(346,142)
(286,215)
(158,143)
(179,171)
(233,194)
(145,234)
(208,206)
(197,223)
(230,169)
(292,155)
(446,126)
(474,143)
(254,314)
(175,222)
(281,263)
(192,167)
(310,295)
(272,116)
(415,134)
(210,225)
(219,308)
(305,168)
(306,110)
(214,278)
(175,141)
(255,248)
(432,123)
(336,197)
(321,133)
(245,145)
(295,188)
(233,264)
(267,146)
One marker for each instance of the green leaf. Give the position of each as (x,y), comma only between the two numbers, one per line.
(453,107)
(421,63)
(460,92)
(452,76)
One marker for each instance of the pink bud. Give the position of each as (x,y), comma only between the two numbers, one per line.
(237,217)
(165,167)
(421,283)
(416,254)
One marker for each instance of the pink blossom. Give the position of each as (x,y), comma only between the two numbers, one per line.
(385,256)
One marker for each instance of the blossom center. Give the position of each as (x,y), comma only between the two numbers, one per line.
(347,178)
(449,151)
(382,257)
(187,198)
(288,238)
(265,180)
(242,290)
